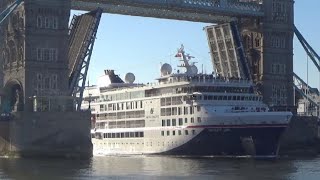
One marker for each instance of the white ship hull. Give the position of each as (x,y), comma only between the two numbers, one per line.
(227,134)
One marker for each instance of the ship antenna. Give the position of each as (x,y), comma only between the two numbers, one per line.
(184,58)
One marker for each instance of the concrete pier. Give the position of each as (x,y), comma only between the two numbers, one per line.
(46,134)
(301,137)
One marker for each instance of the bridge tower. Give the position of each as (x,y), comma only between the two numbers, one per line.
(269,44)
(34,51)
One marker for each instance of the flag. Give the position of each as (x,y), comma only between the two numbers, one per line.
(178,55)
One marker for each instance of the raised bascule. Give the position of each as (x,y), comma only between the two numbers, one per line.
(44,62)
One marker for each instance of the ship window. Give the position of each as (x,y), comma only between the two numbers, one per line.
(179,100)
(168,122)
(136,134)
(174,111)
(229,98)
(192,120)
(198,108)
(131,134)
(163,102)
(113,135)
(163,111)
(168,101)
(174,122)
(162,133)
(127,134)
(193,132)
(242,98)
(225,97)
(168,133)
(234,98)
(141,134)
(191,110)
(238,98)
(118,135)
(168,111)
(174,100)
(173,133)
(205,97)
(179,132)
(199,119)
(122,135)
(140,104)
(163,122)
(185,110)
(185,120)
(186,132)
(179,110)
(128,105)
(180,121)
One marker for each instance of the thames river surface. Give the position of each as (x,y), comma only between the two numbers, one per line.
(160,167)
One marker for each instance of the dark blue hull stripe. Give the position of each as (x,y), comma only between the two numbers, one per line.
(263,141)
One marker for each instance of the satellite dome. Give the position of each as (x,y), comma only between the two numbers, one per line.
(166,69)
(194,69)
(129,78)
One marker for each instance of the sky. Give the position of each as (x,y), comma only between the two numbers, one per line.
(139,45)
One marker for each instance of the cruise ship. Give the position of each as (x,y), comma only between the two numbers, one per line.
(183,113)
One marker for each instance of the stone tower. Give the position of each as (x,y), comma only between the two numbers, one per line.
(269,44)
(35,48)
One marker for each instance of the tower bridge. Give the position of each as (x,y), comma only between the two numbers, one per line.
(44,62)
(36,38)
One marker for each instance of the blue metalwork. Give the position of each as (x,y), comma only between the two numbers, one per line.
(242,55)
(190,10)
(79,74)
(299,85)
(315,59)
(310,51)
(9,10)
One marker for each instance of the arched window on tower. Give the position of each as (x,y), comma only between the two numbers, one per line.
(39,21)
(54,81)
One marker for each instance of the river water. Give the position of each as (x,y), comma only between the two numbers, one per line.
(160,167)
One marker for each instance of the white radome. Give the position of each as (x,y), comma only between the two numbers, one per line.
(129,78)
(166,69)
(194,69)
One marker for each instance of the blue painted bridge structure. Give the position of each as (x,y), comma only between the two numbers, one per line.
(209,11)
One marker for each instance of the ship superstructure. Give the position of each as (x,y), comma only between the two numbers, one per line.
(184,113)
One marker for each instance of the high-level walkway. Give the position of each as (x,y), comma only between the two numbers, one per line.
(210,11)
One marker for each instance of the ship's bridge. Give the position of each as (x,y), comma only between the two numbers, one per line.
(208,79)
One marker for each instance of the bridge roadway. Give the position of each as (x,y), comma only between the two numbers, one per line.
(209,11)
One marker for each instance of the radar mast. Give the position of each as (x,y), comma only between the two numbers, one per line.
(185,58)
